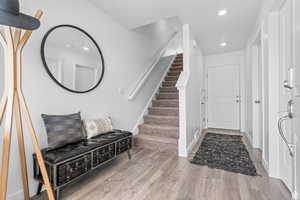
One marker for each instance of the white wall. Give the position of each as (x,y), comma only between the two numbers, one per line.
(190,85)
(248,95)
(231,58)
(160,31)
(193,91)
(126,55)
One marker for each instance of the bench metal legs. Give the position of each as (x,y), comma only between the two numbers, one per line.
(129,154)
(39,190)
(40,187)
(57,194)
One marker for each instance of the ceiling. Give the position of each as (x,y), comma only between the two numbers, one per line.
(209,29)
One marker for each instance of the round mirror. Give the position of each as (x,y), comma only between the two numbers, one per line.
(72,58)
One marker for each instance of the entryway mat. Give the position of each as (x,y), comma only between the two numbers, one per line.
(227,152)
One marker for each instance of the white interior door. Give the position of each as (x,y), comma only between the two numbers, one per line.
(224,97)
(257,93)
(84,77)
(285,93)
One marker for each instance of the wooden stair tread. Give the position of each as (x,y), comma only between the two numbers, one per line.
(154,126)
(166,100)
(162,117)
(169,87)
(154,138)
(168,93)
(165,108)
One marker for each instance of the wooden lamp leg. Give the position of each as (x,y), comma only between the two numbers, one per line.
(9,87)
(36,147)
(22,154)
(4,95)
(2,107)
(6,147)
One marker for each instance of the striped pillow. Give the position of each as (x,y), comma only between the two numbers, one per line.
(97,127)
(63,129)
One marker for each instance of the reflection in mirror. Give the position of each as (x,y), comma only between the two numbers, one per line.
(72,58)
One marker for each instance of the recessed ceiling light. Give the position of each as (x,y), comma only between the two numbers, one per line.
(86,48)
(222,12)
(68,45)
(223,44)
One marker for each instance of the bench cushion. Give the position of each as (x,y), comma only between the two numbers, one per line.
(111,136)
(72,150)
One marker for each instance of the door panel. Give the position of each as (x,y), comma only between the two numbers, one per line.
(257,92)
(223,97)
(296,122)
(285,94)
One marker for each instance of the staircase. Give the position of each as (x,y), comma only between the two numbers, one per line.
(160,130)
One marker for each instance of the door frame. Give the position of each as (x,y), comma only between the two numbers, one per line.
(259,139)
(239,90)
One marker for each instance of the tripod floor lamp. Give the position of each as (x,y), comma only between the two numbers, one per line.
(13,105)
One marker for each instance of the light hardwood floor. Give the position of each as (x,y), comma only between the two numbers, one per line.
(152,175)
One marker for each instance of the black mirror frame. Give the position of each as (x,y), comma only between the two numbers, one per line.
(47,68)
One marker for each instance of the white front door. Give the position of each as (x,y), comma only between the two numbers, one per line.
(286,95)
(224,97)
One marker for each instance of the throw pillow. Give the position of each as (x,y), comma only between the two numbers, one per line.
(63,129)
(97,127)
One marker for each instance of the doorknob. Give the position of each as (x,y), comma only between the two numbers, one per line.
(290,115)
(238,99)
(290,109)
(289,84)
(290,146)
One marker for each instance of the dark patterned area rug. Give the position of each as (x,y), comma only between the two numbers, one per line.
(226,152)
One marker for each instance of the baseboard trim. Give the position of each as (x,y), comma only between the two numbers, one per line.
(191,146)
(295,196)
(265,164)
(140,120)
(248,137)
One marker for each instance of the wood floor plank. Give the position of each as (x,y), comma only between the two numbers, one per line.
(153,175)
